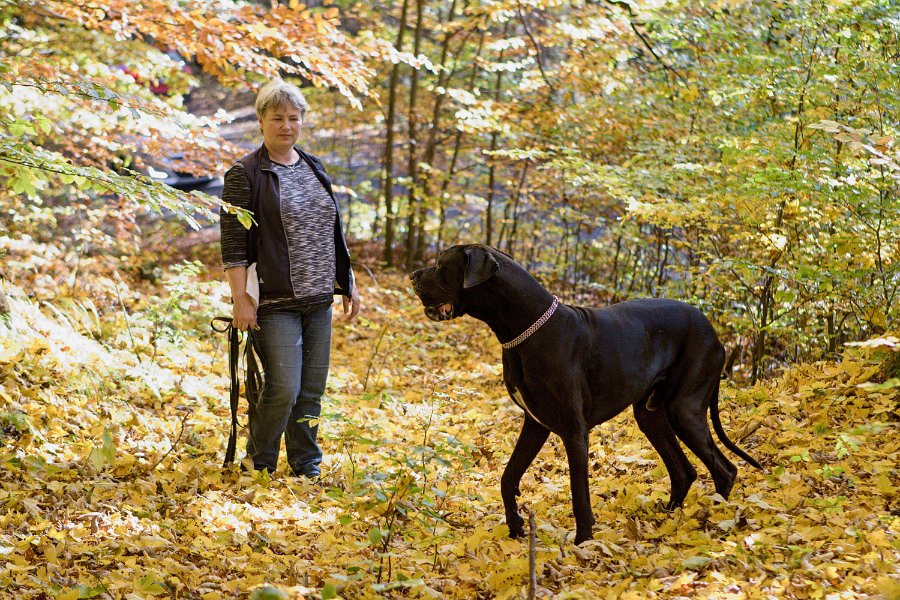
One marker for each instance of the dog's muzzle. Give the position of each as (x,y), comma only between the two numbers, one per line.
(440,312)
(443,311)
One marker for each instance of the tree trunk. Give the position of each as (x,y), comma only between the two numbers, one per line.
(510,214)
(413,195)
(492,168)
(389,216)
(514,228)
(457,145)
(425,179)
(489,215)
(767,296)
(442,195)
(615,269)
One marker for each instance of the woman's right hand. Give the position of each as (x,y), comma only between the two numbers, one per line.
(243,313)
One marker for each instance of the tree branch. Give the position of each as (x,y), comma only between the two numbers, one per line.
(668,68)
(537,49)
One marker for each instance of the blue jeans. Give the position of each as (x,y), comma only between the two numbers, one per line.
(295,349)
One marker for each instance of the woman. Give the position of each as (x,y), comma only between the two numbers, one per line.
(297,253)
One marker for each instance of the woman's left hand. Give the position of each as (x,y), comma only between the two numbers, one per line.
(351,305)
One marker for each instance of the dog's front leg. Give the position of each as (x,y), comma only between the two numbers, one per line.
(577,453)
(530,442)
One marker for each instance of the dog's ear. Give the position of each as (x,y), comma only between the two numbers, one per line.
(480,266)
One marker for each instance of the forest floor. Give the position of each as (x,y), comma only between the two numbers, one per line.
(114,416)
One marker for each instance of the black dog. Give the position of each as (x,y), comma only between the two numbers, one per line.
(571,368)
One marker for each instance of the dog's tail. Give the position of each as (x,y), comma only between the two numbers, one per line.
(717,425)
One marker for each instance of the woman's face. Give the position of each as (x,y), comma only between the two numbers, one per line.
(281,128)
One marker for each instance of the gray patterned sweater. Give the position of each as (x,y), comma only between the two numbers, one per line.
(308,216)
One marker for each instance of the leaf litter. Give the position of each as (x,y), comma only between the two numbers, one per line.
(111,482)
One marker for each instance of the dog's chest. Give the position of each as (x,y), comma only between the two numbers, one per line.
(519,399)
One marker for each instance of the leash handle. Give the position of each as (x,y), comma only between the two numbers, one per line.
(253,376)
(226,320)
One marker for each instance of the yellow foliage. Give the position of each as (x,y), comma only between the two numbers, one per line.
(112,484)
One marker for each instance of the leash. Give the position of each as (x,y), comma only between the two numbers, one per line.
(253,378)
(534,326)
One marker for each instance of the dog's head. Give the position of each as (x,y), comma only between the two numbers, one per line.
(443,287)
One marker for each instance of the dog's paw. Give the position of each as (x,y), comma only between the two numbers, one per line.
(581,537)
(516,526)
(671,506)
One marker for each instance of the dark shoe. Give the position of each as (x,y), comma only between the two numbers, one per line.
(311,473)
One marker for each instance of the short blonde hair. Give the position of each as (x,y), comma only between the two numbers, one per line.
(279,93)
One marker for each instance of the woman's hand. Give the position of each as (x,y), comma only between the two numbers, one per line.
(351,304)
(243,313)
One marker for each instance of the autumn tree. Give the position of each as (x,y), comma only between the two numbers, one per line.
(739,155)
(80,118)
(710,153)
(677,150)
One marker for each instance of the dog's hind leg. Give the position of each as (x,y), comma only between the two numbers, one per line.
(687,412)
(530,442)
(655,425)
